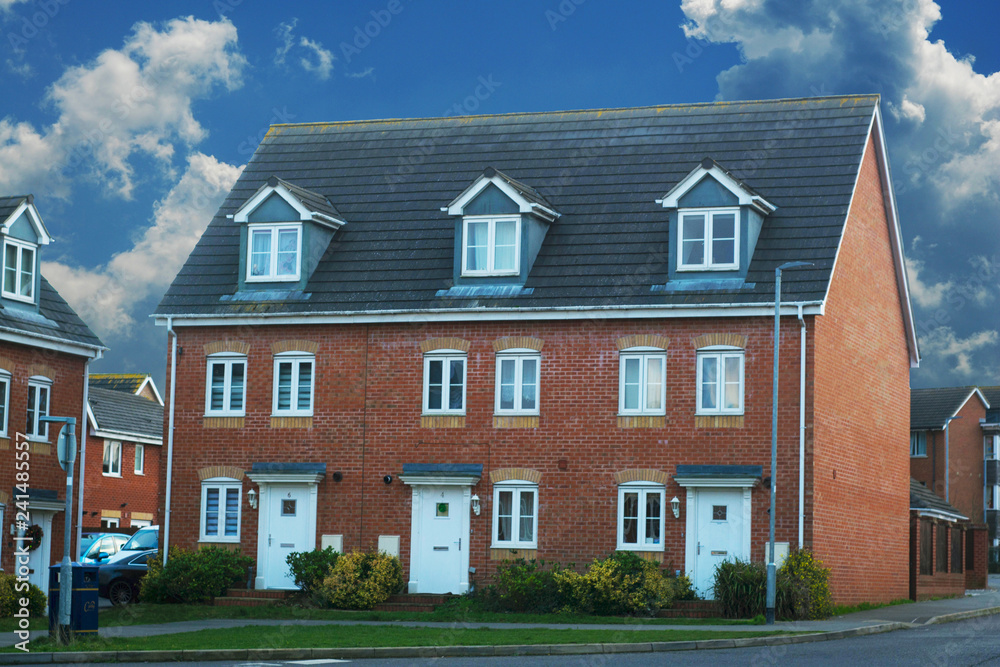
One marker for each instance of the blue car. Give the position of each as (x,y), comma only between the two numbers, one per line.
(102,547)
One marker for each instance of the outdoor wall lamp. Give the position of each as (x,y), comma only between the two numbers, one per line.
(475,505)
(675,505)
(252,499)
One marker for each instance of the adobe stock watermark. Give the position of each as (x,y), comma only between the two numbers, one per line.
(22,569)
(248,146)
(562,12)
(29,28)
(364,34)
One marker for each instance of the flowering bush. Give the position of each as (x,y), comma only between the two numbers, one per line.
(361,580)
(194,576)
(621,584)
(524,586)
(10,597)
(802,589)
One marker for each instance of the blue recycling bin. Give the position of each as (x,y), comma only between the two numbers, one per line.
(83,605)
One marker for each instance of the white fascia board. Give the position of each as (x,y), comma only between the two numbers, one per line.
(439,480)
(126,436)
(49,343)
(457,206)
(720,482)
(44,238)
(305,214)
(286,478)
(940,514)
(91,419)
(490,315)
(895,236)
(670,200)
(149,381)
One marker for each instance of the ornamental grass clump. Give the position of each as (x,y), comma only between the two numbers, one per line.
(802,589)
(360,580)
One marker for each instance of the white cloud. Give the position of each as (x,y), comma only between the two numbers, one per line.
(927,295)
(312,56)
(942,346)
(136,100)
(105,296)
(366,72)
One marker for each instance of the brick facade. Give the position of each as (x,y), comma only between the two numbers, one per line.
(107,493)
(66,400)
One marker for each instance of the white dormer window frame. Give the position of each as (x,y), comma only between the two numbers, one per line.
(18,274)
(489,243)
(710,238)
(274,232)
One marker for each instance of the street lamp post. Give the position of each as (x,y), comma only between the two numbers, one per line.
(67,456)
(771,584)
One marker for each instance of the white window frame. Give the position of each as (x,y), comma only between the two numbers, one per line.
(112,445)
(222,484)
(139,466)
(227,360)
(272,275)
(518,357)
(18,269)
(39,430)
(5,380)
(643,354)
(140,523)
(915,438)
(516,487)
(296,359)
(492,221)
(707,263)
(721,353)
(643,489)
(446,357)
(110,522)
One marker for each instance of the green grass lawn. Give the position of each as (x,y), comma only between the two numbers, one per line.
(340,636)
(145,614)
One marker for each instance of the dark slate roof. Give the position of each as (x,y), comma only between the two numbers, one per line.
(922,498)
(603,170)
(288,467)
(9,204)
(120,412)
(311,200)
(713,471)
(127,382)
(992,395)
(930,408)
(55,319)
(525,191)
(443,469)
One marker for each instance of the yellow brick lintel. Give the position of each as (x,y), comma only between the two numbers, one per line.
(636,421)
(643,340)
(442,421)
(655,556)
(718,421)
(518,343)
(235,346)
(42,448)
(641,475)
(291,422)
(232,472)
(228,546)
(294,346)
(4,443)
(142,516)
(449,343)
(513,554)
(515,421)
(111,514)
(713,339)
(222,422)
(506,474)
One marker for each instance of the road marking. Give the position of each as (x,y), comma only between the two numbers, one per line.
(318,661)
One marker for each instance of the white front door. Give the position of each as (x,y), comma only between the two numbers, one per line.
(719,533)
(288,530)
(440,540)
(40,558)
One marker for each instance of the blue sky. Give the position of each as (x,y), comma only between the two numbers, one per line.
(130,121)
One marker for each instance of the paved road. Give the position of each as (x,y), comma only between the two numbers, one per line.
(961,644)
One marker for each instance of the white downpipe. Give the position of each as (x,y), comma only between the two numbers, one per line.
(802,427)
(170,438)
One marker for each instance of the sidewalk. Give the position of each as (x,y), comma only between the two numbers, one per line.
(975,603)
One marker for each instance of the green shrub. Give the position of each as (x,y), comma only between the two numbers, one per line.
(621,584)
(802,588)
(523,586)
(194,576)
(11,594)
(683,587)
(361,580)
(310,568)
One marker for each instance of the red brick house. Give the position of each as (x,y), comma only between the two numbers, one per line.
(549,335)
(123,463)
(45,351)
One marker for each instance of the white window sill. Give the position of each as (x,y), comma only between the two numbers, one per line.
(219,540)
(514,547)
(225,414)
(35,438)
(640,547)
(291,414)
(443,414)
(509,413)
(725,267)
(18,297)
(272,279)
(642,414)
(719,414)
(111,474)
(491,274)
(139,474)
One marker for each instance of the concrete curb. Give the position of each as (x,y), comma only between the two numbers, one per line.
(447,651)
(963,615)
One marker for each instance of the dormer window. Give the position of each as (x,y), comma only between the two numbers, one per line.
(273,252)
(491,246)
(18,270)
(709,240)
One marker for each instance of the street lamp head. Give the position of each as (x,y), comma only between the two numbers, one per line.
(63,420)
(791,265)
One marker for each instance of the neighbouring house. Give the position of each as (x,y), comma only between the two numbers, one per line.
(139,384)
(990,424)
(123,462)
(549,335)
(947,553)
(45,352)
